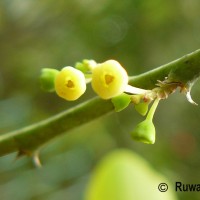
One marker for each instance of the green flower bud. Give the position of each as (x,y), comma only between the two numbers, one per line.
(86,65)
(142,108)
(109,79)
(136,98)
(121,102)
(70,83)
(144,132)
(47,79)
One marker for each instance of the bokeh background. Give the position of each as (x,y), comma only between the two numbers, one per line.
(139,34)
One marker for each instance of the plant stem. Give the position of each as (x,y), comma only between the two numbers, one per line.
(183,70)
(28,139)
(152,110)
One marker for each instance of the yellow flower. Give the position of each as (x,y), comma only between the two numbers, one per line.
(70,83)
(109,79)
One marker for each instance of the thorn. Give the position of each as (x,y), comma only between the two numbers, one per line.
(34,156)
(36,160)
(18,156)
(189,98)
(22,153)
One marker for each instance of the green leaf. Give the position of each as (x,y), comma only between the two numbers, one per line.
(123,175)
(121,102)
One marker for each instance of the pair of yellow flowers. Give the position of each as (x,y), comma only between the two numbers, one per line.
(108,79)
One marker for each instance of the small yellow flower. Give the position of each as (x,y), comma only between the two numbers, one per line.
(70,83)
(109,79)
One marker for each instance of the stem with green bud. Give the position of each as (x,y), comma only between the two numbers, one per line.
(152,110)
(145,131)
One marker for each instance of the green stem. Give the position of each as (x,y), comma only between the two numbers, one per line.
(183,70)
(30,138)
(152,109)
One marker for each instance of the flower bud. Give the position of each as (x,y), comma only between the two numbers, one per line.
(109,79)
(142,108)
(70,83)
(86,65)
(121,102)
(144,132)
(47,79)
(136,98)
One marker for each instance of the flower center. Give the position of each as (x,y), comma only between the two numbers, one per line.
(109,79)
(70,84)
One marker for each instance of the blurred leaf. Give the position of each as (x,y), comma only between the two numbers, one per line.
(123,175)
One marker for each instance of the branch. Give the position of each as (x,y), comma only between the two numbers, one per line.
(29,139)
(184,70)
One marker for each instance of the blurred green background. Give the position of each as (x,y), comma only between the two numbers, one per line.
(139,34)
